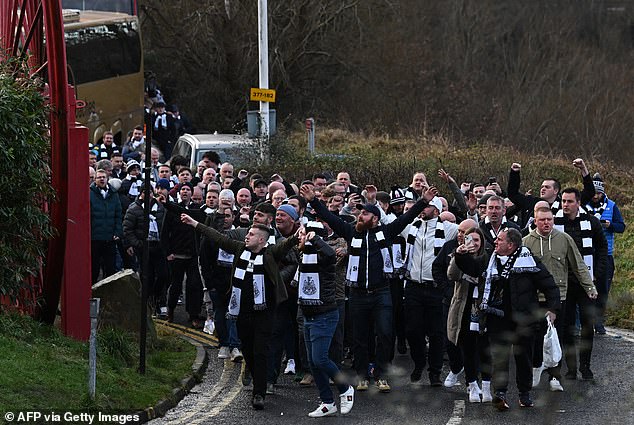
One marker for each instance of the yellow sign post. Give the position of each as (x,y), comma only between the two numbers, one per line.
(262,95)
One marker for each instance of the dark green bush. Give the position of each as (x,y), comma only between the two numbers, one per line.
(24,177)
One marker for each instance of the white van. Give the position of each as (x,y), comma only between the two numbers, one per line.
(233,148)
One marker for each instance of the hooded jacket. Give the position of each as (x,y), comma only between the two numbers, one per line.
(560,255)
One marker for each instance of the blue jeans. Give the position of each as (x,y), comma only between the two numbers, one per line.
(318,332)
(366,309)
(226,329)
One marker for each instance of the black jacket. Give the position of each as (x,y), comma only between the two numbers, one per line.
(376,277)
(182,239)
(135,226)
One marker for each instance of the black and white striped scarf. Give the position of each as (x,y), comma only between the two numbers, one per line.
(520,261)
(357,245)
(249,267)
(583,224)
(439,238)
(307,277)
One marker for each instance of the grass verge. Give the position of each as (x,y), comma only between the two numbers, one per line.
(44,370)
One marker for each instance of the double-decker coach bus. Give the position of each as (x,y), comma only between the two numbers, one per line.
(105,60)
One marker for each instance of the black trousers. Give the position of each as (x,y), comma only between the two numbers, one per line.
(475,350)
(254,330)
(283,338)
(158,274)
(423,313)
(505,334)
(193,285)
(398,311)
(103,255)
(576,296)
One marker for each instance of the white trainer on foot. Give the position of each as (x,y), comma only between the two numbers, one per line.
(224,353)
(486,392)
(537,374)
(347,400)
(324,410)
(474,392)
(236,355)
(555,385)
(290,367)
(452,379)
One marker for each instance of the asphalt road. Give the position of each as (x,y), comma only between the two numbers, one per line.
(221,399)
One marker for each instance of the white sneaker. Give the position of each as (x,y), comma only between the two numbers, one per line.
(486,392)
(474,392)
(324,410)
(347,400)
(452,379)
(555,385)
(537,374)
(209,327)
(236,355)
(290,367)
(224,353)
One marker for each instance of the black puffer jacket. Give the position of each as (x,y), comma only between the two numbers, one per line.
(135,227)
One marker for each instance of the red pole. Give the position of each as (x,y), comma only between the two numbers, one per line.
(77,289)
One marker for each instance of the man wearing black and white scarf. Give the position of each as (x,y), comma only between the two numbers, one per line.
(425,238)
(315,281)
(587,232)
(513,278)
(256,289)
(548,192)
(369,269)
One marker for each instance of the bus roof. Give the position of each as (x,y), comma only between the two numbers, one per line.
(74,18)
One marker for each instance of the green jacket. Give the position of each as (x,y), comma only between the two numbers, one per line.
(560,255)
(273,254)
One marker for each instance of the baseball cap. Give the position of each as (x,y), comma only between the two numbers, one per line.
(373,209)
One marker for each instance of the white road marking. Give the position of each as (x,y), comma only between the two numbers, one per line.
(458,413)
(623,334)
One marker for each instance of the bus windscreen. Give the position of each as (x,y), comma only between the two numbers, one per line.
(103,51)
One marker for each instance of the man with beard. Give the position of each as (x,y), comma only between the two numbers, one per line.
(369,269)
(425,237)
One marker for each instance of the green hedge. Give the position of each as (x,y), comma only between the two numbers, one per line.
(24,176)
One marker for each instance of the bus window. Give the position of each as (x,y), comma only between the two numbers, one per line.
(103,51)
(105,62)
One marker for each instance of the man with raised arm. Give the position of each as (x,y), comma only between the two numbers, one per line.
(369,269)
(256,289)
